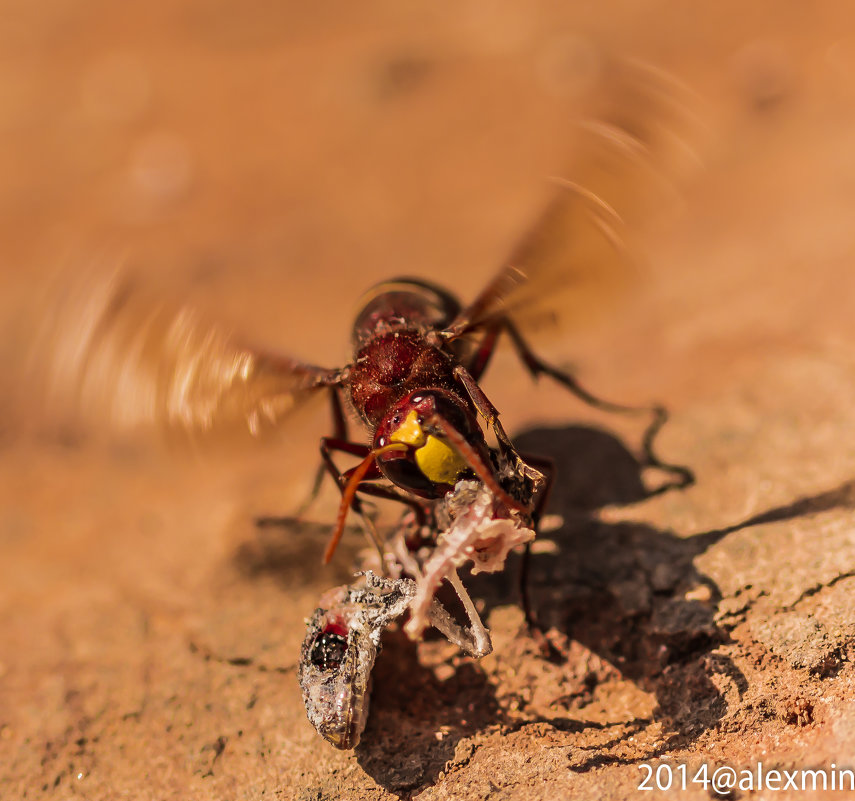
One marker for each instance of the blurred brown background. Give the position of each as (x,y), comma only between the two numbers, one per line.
(272,160)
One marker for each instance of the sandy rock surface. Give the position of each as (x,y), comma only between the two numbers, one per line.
(272,161)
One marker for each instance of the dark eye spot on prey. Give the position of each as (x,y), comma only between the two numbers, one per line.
(328,651)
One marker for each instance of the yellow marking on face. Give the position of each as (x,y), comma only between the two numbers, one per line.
(410,432)
(437,460)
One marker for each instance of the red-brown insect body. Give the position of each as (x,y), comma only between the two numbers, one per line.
(403,303)
(394,356)
(401,366)
(391,366)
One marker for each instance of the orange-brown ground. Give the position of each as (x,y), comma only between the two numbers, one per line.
(273,160)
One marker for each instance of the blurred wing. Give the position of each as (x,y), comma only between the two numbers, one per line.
(114,354)
(577,253)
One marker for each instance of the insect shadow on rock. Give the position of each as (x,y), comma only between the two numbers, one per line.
(627,592)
